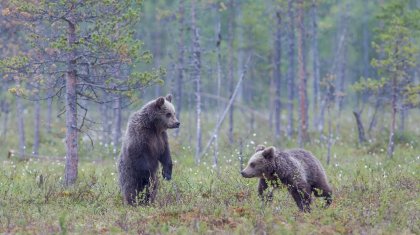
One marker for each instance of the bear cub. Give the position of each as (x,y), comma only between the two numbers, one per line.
(297,169)
(145,144)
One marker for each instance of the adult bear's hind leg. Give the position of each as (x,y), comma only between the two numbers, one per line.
(324,192)
(302,197)
(152,188)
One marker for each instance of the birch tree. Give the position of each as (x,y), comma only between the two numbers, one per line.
(315,58)
(277,75)
(291,68)
(196,74)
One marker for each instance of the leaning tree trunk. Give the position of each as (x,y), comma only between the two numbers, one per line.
(197,73)
(291,68)
(303,133)
(277,74)
(72,158)
(180,68)
(360,128)
(373,120)
(21,126)
(37,117)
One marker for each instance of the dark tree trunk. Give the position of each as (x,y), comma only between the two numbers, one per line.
(360,128)
(373,120)
(197,77)
(291,68)
(277,76)
(180,77)
(231,79)
(303,133)
(72,157)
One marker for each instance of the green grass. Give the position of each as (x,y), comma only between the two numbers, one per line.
(372,193)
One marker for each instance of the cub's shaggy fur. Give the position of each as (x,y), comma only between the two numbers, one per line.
(298,169)
(145,145)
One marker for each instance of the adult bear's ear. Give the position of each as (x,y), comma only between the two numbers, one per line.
(159,102)
(169,98)
(268,153)
(259,147)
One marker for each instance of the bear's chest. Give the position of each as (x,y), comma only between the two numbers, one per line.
(157,144)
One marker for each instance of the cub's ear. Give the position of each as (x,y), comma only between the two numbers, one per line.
(268,153)
(259,147)
(159,102)
(169,98)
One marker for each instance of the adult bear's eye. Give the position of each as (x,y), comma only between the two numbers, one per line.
(252,165)
(168,115)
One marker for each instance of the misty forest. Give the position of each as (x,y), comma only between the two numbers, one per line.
(338,78)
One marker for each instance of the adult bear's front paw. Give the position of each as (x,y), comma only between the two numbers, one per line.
(166,175)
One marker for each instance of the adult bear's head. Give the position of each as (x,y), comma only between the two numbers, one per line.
(164,113)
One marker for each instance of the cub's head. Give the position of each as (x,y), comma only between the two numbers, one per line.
(165,112)
(261,163)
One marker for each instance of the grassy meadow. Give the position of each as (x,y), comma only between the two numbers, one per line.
(372,193)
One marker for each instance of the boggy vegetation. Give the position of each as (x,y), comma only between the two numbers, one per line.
(372,193)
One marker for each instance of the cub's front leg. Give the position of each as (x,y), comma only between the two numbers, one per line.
(262,186)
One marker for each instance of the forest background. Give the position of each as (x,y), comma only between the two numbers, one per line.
(339,78)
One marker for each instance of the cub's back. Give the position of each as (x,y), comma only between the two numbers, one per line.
(312,166)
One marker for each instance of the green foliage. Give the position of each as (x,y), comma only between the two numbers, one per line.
(413,95)
(371,195)
(369,84)
(396,49)
(105,42)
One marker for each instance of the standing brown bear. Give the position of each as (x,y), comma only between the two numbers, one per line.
(145,144)
(298,169)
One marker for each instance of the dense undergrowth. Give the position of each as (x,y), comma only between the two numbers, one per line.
(373,194)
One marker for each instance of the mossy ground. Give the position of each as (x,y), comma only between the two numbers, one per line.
(373,194)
